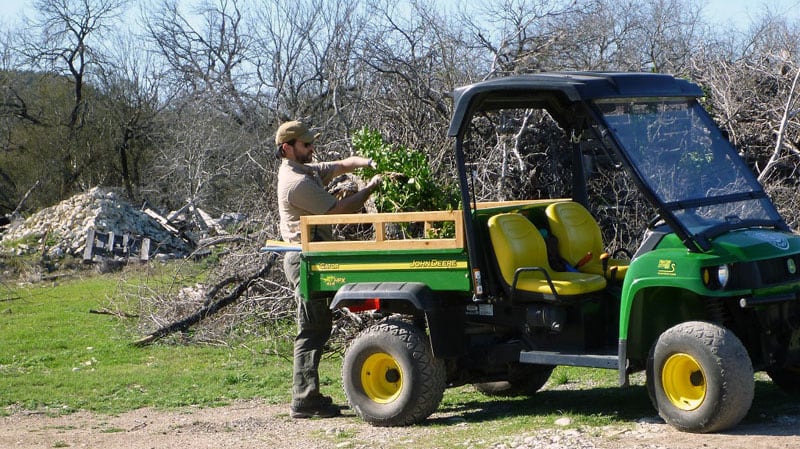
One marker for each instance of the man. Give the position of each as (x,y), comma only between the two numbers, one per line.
(301,191)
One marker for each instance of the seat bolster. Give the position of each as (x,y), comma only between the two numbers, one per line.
(570,283)
(565,283)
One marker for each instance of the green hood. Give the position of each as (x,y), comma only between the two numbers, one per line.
(755,244)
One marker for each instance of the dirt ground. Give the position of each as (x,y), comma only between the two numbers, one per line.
(252,424)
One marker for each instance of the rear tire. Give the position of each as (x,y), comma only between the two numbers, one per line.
(787,379)
(700,378)
(523,380)
(390,376)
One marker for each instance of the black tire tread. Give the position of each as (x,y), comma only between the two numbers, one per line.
(524,380)
(430,383)
(787,379)
(736,372)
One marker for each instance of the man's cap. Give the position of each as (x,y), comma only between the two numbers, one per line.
(294,130)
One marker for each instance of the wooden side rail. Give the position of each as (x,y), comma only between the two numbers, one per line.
(379,221)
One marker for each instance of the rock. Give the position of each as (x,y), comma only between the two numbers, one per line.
(563,422)
(62,229)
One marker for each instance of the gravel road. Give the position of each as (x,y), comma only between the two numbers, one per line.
(252,424)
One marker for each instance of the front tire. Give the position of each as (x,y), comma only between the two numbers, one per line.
(700,378)
(390,376)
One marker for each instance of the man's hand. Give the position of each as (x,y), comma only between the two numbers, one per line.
(372,164)
(393,176)
(375,182)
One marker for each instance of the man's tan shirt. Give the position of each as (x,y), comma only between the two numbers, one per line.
(301,191)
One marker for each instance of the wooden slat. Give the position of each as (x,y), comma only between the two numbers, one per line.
(385,245)
(379,221)
(396,217)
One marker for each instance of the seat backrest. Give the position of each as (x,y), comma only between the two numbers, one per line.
(576,230)
(517,243)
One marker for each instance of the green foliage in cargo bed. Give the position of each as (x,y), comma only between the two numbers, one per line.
(412,186)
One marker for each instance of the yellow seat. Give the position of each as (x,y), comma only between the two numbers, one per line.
(518,244)
(579,240)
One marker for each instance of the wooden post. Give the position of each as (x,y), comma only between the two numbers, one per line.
(125,243)
(89,249)
(144,251)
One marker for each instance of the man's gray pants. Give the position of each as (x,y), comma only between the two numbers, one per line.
(314,322)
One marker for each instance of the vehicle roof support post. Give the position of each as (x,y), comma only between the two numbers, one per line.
(579,193)
(467,207)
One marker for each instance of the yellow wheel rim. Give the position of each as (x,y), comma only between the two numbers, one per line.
(381,378)
(684,381)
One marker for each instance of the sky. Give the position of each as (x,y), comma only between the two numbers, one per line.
(723,12)
(10,9)
(741,12)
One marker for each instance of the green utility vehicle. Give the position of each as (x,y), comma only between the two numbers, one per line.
(518,287)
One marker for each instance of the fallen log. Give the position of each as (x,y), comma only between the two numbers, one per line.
(210,307)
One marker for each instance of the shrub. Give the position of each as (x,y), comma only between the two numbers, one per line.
(412,186)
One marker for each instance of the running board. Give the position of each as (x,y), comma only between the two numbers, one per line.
(560,358)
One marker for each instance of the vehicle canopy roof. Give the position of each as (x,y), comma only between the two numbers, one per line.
(686,168)
(539,91)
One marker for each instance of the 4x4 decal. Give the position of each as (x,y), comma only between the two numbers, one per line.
(331,281)
(666,267)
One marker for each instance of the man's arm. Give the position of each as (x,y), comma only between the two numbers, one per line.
(351,163)
(355,202)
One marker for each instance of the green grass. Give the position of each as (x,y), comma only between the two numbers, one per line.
(57,357)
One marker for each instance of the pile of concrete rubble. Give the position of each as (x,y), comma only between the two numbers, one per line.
(62,229)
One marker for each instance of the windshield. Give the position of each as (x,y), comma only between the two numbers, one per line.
(693,171)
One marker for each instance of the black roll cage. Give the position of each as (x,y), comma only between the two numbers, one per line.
(567,97)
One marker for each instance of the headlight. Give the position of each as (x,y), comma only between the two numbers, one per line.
(716,277)
(723,275)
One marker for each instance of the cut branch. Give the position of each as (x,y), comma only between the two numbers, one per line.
(211,307)
(15,212)
(113,313)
